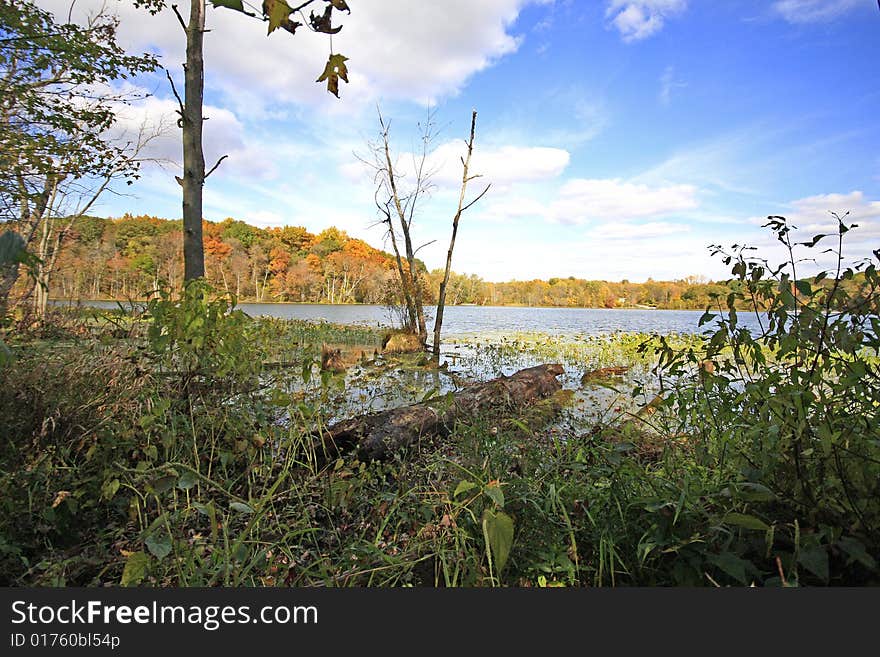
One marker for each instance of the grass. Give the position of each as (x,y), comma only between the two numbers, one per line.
(132,458)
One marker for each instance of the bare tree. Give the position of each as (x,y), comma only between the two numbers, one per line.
(397,203)
(462,206)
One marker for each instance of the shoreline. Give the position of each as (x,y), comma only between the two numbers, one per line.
(80,302)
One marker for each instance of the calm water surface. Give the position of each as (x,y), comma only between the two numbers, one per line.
(464,320)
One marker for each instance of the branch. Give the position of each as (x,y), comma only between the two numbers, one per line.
(179,17)
(182,110)
(483,193)
(423,246)
(217,165)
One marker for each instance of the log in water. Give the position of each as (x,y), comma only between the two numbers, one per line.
(377,435)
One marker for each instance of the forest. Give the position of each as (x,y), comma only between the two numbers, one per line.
(129,257)
(181,442)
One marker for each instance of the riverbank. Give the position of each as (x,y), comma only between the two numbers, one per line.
(180,451)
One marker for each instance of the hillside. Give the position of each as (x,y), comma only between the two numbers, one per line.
(129,256)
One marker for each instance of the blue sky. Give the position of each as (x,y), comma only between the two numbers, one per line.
(621,137)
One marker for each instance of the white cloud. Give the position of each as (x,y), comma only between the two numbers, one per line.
(813,11)
(668,83)
(811,216)
(631,231)
(596,201)
(419,52)
(817,209)
(501,166)
(582,200)
(639,19)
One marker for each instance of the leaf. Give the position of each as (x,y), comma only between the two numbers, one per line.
(333,71)
(732,565)
(240,507)
(159,544)
(277,11)
(745,521)
(6,356)
(165,483)
(323,22)
(108,490)
(238,5)
(463,486)
(495,494)
(804,287)
(706,317)
(754,492)
(11,247)
(815,559)
(340,5)
(855,549)
(135,570)
(187,480)
(498,529)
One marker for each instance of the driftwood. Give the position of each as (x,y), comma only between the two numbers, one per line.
(376,435)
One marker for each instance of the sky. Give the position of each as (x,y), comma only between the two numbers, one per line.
(621,138)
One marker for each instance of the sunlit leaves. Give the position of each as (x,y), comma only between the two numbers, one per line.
(237,5)
(278,12)
(333,72)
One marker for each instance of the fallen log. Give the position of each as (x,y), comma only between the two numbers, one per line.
(377,435)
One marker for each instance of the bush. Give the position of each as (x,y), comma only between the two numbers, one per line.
(786,421)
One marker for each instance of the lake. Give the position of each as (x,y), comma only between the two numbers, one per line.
(467,320)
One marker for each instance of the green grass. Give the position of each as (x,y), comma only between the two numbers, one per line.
(132,457)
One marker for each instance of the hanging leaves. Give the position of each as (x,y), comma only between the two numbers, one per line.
(278,12)
(324,22)
(333,72)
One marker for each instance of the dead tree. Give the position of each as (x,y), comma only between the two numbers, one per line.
(465,178)
(377,435)
(397,203)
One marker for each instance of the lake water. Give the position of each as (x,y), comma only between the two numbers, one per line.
(467,320)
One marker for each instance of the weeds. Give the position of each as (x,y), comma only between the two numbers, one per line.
(176,449)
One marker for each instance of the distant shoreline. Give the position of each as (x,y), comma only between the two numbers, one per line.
(75,302)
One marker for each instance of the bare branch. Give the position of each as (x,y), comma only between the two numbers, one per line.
(180,111)
(481,195)
(179,17)
(423,246)
(211,170)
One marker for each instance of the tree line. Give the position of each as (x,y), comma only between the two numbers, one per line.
(131,256)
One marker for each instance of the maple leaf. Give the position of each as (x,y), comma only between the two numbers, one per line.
(323,23)
(278,12)
(333,71)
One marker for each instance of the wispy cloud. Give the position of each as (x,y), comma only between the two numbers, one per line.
(600,201)
(668,84)
(813,11)
(639,19)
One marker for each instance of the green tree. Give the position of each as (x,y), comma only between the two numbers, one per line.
(56,111)
(278,14)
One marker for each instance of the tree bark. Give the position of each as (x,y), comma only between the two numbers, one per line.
(193,155)
(377,435)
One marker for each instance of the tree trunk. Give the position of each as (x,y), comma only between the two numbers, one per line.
(377,435)
(441,300)
(193,155)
